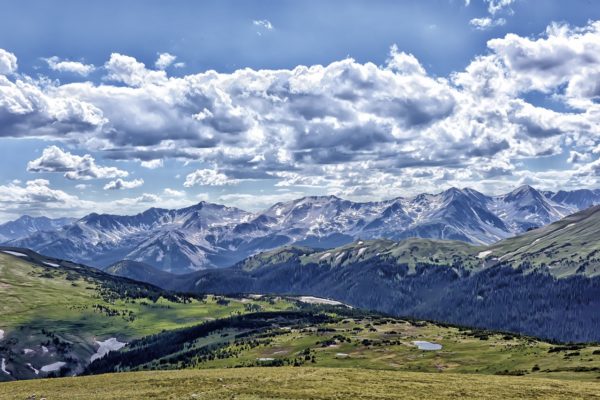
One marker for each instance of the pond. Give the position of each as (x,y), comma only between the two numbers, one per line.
(422,345)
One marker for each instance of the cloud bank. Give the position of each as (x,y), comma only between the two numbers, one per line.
(355,129)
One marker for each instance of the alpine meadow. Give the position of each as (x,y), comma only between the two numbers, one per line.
(278,200)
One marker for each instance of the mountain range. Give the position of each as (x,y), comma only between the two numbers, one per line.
(545,282)
(209,235)
(26,226)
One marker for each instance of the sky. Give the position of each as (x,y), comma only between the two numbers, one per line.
(119,106)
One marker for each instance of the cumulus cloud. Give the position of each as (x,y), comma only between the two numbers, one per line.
(257,201)
(126,69)
(8,62)
(346,127)
(75,67)
(207,177)
(173,193)
(492,21)
(33,109)
(36,196)
(143,200)
(486,23)
(576,157)
(152,164)
(119,184)
(54,159)
(495,6)
(565,61)
(164,60)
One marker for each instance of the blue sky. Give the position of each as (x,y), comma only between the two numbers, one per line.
(396,98)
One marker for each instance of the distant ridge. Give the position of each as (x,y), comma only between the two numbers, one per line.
(209,235)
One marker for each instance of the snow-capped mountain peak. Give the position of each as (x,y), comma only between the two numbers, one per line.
(207,235)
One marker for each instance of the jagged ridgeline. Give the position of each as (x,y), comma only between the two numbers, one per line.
(209,235)
(545,282)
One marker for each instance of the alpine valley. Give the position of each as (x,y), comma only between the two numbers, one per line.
(209,235)
(334,287)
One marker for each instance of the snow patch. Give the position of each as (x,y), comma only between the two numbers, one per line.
(51,264)
(44,349)
(324,256)
(53,367)
(342,355)
(106,346)
(37,371)
(318,300)
(484,254)
(360,251)
(28,351)
(261,359)
(1,334)
(3,367)
(15,253)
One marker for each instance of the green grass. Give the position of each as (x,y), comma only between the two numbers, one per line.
(409,251)
(391,347)
(297,383)
(40,303)
(566,247)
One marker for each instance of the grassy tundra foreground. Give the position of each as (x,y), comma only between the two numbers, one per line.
(297,383)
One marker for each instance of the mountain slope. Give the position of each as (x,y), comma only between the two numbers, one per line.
(169,239)
(58,314)
(545,282)
(565,248)
(209,235)
(140,272)
(26,226)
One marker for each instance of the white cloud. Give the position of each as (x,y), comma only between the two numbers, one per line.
(30,108)
(56,64)
(495,6)
(126,69)
(207,177)
(263,23)
(164,60)
(152,164)
(486,23)
(576,157)
(37,197)
(8,62)
(347,127)
(257,202)
(119,184)
(142,200)
(54,159)
(564,57)
(173,193)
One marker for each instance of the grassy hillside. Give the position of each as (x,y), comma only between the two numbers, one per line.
(340,337)
(565,248)
(297,383)
(53,311)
